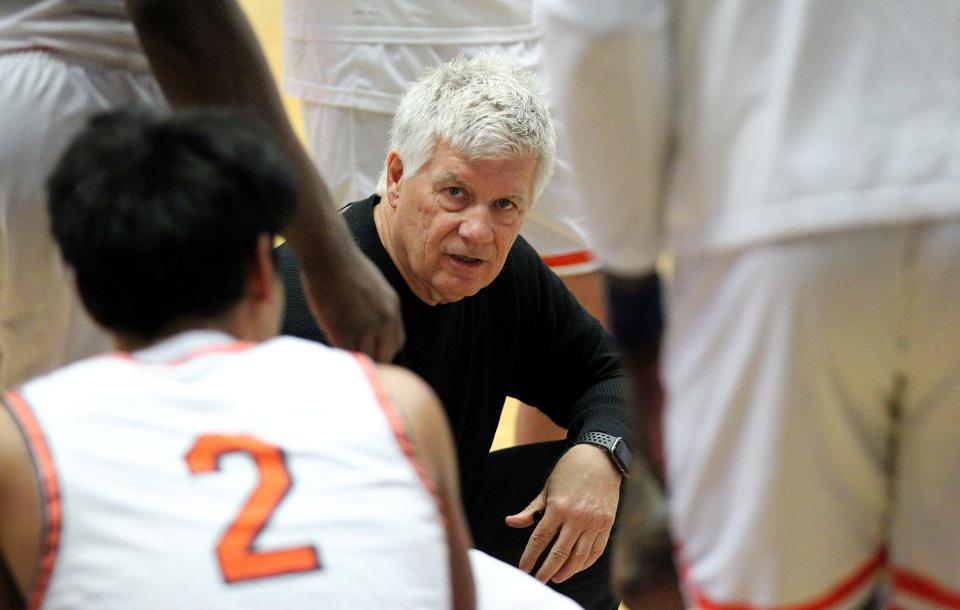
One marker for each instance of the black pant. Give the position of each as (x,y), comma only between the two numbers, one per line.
(511,479)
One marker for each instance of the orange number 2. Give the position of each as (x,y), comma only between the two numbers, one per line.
(239,561)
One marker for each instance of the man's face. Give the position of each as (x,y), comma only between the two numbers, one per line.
(454,222)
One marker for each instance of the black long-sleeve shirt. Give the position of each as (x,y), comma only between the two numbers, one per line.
(523,336)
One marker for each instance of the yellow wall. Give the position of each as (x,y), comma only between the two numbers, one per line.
(265,17)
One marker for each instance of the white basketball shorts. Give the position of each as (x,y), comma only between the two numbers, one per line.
(45,101)
(812,426)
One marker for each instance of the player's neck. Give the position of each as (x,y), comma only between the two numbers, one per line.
(132,342)
(238,323)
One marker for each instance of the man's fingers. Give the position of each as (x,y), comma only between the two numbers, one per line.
(380,343)
(380,346)
(529,515)
(540,539)
(365,316)
(580,558)
(560,554)
(599,544)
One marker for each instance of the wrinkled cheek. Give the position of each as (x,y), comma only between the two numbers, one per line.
(499,267)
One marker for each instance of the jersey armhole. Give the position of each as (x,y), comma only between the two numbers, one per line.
(50,502)
(399,427)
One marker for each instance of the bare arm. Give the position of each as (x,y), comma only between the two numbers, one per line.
(9,599)
(624,48)
(205,53)
(20,530)
(430,435)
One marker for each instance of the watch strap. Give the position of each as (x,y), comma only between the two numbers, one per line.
(617,450)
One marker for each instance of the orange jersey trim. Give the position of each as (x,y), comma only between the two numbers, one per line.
(51,507)
(399,429)
(237,346)
(844,589)
(925,588)
(569,258)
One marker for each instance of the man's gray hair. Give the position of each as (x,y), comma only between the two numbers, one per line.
(484,107)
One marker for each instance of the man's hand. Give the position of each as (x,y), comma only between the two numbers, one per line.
(357,309)
(578,502)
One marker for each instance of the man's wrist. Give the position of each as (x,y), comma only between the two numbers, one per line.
(615,447)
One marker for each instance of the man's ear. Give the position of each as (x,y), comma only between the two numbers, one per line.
(260,282)
(394,176)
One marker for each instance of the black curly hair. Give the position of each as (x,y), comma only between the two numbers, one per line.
(159,214)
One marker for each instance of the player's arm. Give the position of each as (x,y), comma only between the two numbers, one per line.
(9,599)
(636,318)
(205,53)
(623,48)
(20,529)
(430,434)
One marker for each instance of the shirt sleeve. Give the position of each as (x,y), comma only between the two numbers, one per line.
(610,74)
(569,368)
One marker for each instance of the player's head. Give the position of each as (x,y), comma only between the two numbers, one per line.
(163,216)
(484,107)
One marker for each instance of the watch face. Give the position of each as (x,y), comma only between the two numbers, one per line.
(622,453)
(617,449)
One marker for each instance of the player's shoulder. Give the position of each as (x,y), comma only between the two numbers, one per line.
(12,444)
(297,353)
(88,372)
(423,418)
(409,393)
(416,401)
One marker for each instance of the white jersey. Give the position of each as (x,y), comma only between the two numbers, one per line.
(778,118)
(91,30)
(206,473)
(337,52)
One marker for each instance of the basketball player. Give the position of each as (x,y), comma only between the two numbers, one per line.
(799,160)
(205,464)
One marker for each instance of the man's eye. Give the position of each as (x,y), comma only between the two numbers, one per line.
(505,204)
(454,191)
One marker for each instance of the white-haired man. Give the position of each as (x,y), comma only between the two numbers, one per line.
(350,66)
(485,318)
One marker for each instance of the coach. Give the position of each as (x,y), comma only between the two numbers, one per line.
(472,147)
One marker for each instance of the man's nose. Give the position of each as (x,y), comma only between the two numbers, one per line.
(477,225)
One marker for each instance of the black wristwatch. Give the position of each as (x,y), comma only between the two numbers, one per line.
(616,448)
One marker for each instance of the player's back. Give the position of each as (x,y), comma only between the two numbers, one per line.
(205,473)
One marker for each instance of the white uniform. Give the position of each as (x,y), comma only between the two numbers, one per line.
(501,586)
(812,207)
(350,61)
(60,62)
(206,473)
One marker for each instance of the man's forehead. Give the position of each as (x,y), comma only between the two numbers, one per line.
(451,165)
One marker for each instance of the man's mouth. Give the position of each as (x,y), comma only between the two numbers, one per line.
(467,260)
